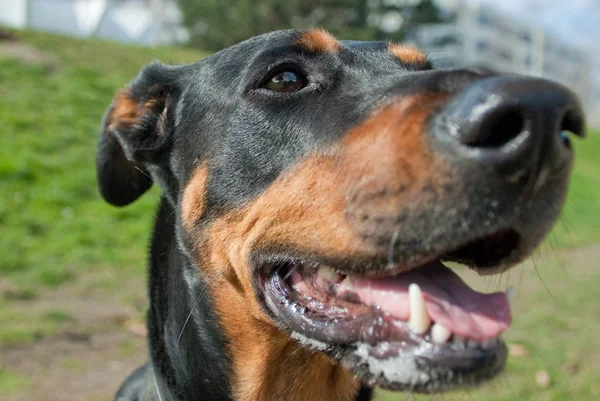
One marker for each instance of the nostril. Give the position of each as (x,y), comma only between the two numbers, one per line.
(571,122)
(500,129)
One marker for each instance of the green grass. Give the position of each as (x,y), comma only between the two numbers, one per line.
(12,383)
(578,225)
(57,315)
(55,228)
(17,327)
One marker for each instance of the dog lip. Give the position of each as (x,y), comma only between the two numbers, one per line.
(429,369)
(479,323)
(454,307)
(509,237)
(332,326)
(380,342)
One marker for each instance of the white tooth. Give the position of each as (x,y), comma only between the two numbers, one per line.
(419,320)
(346,285)
(510,294)
(328,273)
(440,334)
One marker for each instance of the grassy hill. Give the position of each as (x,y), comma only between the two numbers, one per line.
(57,232)
(53,222)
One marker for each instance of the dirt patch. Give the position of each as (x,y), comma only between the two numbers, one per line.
(98,341)
(24,53)
(68,368)
(82,306)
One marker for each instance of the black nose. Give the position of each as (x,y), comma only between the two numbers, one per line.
(519,125)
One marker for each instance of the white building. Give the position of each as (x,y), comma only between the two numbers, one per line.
(145,22)
(483,36)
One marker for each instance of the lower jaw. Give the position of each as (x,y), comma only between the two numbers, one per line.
(381,350)
(423,370)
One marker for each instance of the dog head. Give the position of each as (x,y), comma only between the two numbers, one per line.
(318,185)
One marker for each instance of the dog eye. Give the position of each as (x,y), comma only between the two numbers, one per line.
(287,81)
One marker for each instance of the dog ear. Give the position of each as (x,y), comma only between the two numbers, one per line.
(135,133)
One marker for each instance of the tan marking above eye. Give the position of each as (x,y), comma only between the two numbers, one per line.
(318,40)
(406,54)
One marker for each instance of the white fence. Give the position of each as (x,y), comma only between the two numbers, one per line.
(484,37)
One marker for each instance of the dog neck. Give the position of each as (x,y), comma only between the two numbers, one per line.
(197,355)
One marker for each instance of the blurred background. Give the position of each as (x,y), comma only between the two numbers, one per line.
(72,268)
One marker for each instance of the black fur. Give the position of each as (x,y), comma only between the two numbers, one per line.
(217,113)
(214,110)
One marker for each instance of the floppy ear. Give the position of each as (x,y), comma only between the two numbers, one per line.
(135,133)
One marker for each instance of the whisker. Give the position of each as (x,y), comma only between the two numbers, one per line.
(499,284)
(200,296)
(298,349)
(558,255)
(542,280)
(568,232)
(290,273)
(521,275)
(142,171)
(392,245)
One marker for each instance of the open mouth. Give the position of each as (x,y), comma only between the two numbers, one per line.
(426,317)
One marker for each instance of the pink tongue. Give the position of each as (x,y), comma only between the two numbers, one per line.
(449,300)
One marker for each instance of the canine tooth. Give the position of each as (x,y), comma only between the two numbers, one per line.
(328,273)
(510,294)
(440,334)
(419,320)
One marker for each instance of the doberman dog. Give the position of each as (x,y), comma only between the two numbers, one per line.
(312,190)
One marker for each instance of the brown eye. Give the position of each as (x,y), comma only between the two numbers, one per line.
(287,81)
